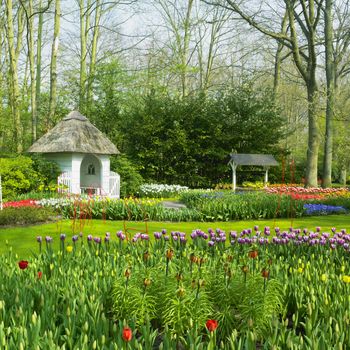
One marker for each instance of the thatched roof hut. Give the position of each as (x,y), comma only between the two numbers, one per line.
(74,134)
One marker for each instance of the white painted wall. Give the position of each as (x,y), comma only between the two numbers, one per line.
(105,162)
(64,160)
(86,179)
(76,162)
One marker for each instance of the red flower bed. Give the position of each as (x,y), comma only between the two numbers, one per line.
(22,203)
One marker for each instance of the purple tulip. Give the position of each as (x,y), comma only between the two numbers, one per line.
(334,229)
(193,235)
(233,242)
(256,228)
(39,239)
(166,238)
(211,243)
(62,236)
(75,238)
(144,237)
(233,234)
(318,229)
(163,231)
(48,239)
(119,233)
(157,235)
(89,238)
(107,238)
(205,236)
(97,240)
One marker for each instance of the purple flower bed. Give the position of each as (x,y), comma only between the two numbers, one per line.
(322,209)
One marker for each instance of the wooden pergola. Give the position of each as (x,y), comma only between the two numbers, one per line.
(264,160)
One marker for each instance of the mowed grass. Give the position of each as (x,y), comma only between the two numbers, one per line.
(22,240)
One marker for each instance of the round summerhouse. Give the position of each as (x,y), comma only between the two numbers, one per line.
(83,154)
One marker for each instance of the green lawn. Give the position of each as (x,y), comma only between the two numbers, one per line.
(23,239)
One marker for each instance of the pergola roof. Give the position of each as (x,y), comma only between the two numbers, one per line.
(253,159)
(75,134)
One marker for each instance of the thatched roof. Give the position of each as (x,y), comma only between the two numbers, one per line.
(253,159)
(74,133)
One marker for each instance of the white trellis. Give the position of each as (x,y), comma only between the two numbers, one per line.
(114,185)
(64,183)
(0,194)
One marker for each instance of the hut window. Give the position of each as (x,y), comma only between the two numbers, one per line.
(91,169)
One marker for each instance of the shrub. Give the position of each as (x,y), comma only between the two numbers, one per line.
(130,179)
(18,176)
(21,174)
(24,215)
(48,172)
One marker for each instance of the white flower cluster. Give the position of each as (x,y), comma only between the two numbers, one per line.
(54,202)
(151,189)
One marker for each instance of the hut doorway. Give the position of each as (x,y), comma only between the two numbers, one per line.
(90,175)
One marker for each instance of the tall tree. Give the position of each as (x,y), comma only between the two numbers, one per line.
(303,19)
(330,76)
(93,56)
(14,51)
(38,60)
(53,64)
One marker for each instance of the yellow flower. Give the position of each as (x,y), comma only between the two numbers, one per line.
(300,270)
(323,277)
(346,279)
(69,249)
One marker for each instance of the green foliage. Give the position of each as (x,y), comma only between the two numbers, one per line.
(21,174)
(48,171)
(131,180)
(167,300)
(25,215)
(225,206)
(187,141)
(18,176)
(257,185)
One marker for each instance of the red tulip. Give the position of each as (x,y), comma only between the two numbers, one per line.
(23,264)
(211,325)
(127,333)
(40,274)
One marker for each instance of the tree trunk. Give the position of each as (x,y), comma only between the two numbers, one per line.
(313,136)
(32,69)
(53,65)
(13,55)
(84,19)
(343,177)
(328,145)
(278,58)
(93,53)
(38,62)
(186,42)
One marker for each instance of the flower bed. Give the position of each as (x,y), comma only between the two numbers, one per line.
(161,191)
(21,203)
(180,292)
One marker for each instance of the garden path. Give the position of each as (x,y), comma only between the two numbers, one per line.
(173,205)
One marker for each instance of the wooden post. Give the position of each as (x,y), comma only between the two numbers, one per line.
(266,176)
(234,179)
